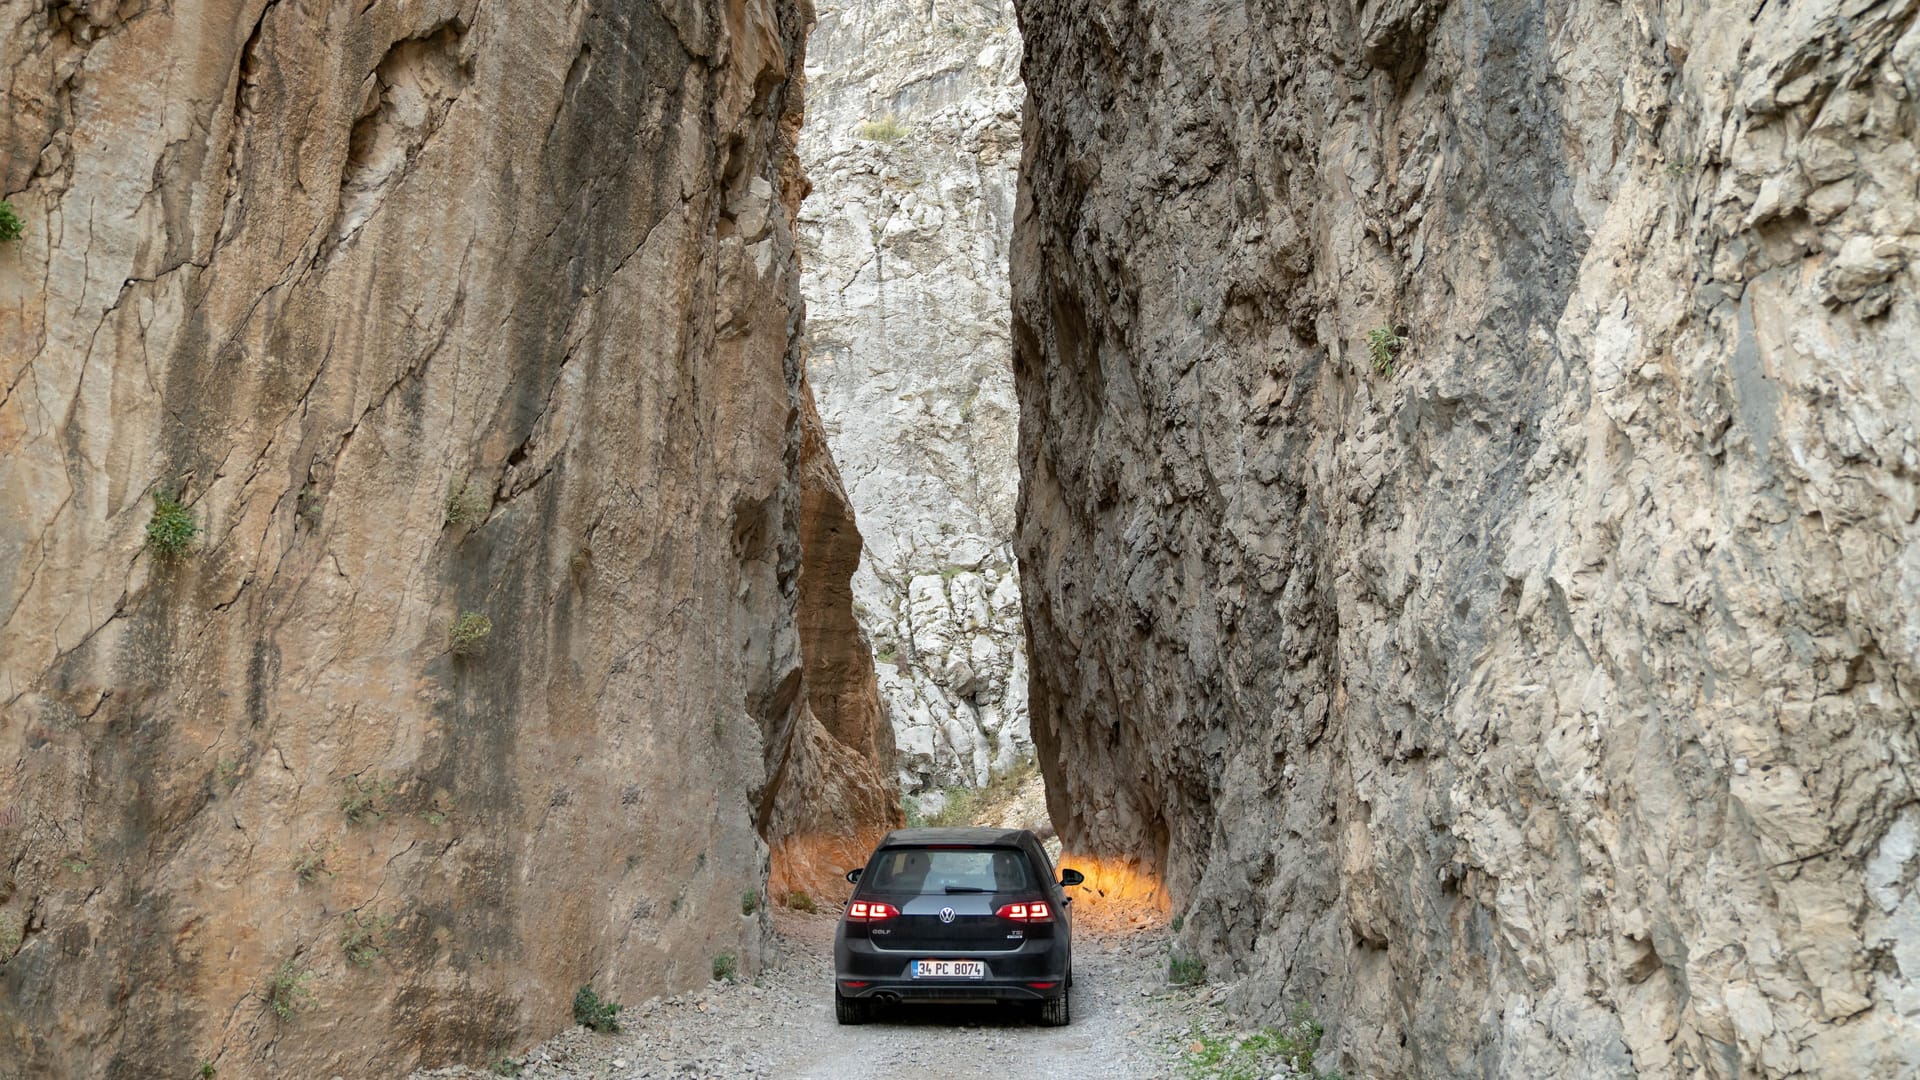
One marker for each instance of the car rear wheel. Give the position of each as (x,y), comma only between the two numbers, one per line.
(851,1011)
(1054,1011)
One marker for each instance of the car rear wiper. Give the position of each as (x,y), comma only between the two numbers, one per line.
(951,889)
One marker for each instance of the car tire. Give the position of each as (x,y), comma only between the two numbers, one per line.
(1054,1012)
(850,1011)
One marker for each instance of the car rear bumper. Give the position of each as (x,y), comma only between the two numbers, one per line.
(927,991)
(1037,971)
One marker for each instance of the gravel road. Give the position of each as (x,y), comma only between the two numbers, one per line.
(1126,1021)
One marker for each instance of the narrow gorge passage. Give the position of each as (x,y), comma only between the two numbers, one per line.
(1423,496)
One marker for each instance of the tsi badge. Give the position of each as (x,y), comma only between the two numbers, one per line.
(946,914)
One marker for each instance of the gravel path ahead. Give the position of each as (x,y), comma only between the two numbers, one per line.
(1125,1022)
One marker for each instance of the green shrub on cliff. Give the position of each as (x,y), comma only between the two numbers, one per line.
(590,1011)
(1383,347)
(170,531)
(886,129)
(465,505)
(10,224)
(288,991)
(364,937)
(469,634)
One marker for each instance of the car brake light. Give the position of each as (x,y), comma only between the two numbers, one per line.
(1037,911)
(870,911)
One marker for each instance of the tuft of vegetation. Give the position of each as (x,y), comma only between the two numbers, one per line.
(364,800)
(10,225)
(170,531)
(589,1011)
(1285,1050)
(306,506)
(311,864)
(963,804)
(465,505)
(364,937)
(507,1066)
(13,931)
(749,902)
(469,634)
(1383,348)
(1183,970)
(1179,922)
(886,129)
(725,968)
(206,1070)
(798,900)
(288,990)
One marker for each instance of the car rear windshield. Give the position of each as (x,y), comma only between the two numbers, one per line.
(937,870)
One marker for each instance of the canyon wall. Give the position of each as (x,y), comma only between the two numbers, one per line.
(912,141)
(1468,528)
(416,545)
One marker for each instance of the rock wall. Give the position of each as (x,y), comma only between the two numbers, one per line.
(911,142)
(459,341)
(1536,697)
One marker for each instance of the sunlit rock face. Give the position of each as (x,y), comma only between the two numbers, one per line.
(911,144)
(465,335)
(1535,697)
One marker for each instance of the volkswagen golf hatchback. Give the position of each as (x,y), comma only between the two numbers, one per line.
(955,915)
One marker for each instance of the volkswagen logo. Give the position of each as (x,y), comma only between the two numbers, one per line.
(946,914)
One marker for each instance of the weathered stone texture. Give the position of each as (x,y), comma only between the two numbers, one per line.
(312,268)
(904,243)
(1547,707)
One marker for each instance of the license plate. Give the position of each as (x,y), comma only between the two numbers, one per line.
(949,969)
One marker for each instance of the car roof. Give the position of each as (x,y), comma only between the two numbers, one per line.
(980,837)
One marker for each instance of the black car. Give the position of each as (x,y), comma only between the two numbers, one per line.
(955,915)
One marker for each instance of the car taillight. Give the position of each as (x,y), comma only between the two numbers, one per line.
(870,911)
(1037,911)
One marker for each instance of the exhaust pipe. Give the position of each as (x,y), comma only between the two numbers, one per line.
(887,998)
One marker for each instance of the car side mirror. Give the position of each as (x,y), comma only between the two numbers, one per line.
(1070,878)
(853,875)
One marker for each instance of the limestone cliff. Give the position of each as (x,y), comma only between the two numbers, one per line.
(403,476)
(1468,527)
(912,140)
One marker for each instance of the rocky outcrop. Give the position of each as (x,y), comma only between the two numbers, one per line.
(403,479)
(911,141)
(1468,528)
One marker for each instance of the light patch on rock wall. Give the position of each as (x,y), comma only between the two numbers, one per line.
(464,334)
(912,142)
(1535,697)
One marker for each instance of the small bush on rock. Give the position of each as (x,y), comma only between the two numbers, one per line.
(10,224)
(364,937)
(170,531)
(288,991)
(800,901)
(589,1011)
(886,129)
(465,504)
(1186,970)
(1383,347)
(724,967)
(364,800)
(469,634)
(749,902)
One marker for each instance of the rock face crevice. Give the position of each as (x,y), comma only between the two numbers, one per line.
(467,335)
(1466,526)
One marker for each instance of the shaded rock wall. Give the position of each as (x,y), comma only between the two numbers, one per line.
(423,310)
(1544,705)
(912,142)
